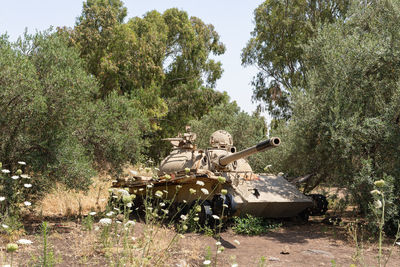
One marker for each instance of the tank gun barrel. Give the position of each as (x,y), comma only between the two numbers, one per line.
(173,139)
(262,146)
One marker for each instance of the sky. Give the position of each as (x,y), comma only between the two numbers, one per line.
(233,20)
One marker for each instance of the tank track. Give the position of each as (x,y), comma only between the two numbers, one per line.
(320,205)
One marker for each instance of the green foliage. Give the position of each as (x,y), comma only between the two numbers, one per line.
(281,28)
(161,61)
(15,191)
(345,124)
(44,90)
(48,258)
(51,118)
(250,225)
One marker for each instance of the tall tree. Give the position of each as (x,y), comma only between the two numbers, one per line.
(345,125)
(161,61)
(282,27)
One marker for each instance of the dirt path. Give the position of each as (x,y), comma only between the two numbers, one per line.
(312,244)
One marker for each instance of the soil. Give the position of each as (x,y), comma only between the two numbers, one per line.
(294,244)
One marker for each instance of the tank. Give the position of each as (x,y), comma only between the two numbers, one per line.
(221,180)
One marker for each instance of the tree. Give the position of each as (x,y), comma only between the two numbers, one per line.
(162,61)
(345,125)
(281,29)
(51,118)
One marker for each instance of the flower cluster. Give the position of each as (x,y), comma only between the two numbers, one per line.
(15,189)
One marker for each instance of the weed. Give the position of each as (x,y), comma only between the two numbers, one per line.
(250,225)
(87,223)
(48,258)
(262,262)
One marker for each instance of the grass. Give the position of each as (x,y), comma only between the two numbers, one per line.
(62,202)
(250,225)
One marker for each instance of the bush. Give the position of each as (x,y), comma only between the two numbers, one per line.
(250,225)
(345,125)
(51,118)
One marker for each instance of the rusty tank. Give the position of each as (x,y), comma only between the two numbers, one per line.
(221,180)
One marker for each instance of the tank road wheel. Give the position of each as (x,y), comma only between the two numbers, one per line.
(206,212)
(217,205)
(320,205)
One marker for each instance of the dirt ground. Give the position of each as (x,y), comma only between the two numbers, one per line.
(294,244)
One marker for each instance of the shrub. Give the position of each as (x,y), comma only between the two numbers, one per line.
(250,225)
(51,118)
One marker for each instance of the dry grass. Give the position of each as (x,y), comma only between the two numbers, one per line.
(186,249)
(63,202)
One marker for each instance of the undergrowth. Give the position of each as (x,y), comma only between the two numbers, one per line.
(251,225)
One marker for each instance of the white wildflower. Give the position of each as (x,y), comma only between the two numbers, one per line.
(207,262)
(129,205)
(92,213)
(5,226)
(215,217)
(25,176)
(27,203)
(205,191)
(162,204)
(201,183)
(236,241)
(21,162)
(110,213)
(27,185)
(116,209)
(97,228)
(24,242)
(141,189)
(375,192)
(159,194)
(15,177)
(119,222)
(133,238)
(149,185)
(5,171)
(378,204)
(218,243)
(105,221)
(2,199)
(183,217)
(122,192)
(129,223)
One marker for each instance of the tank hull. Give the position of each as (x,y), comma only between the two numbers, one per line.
(265,196)
(270,197)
